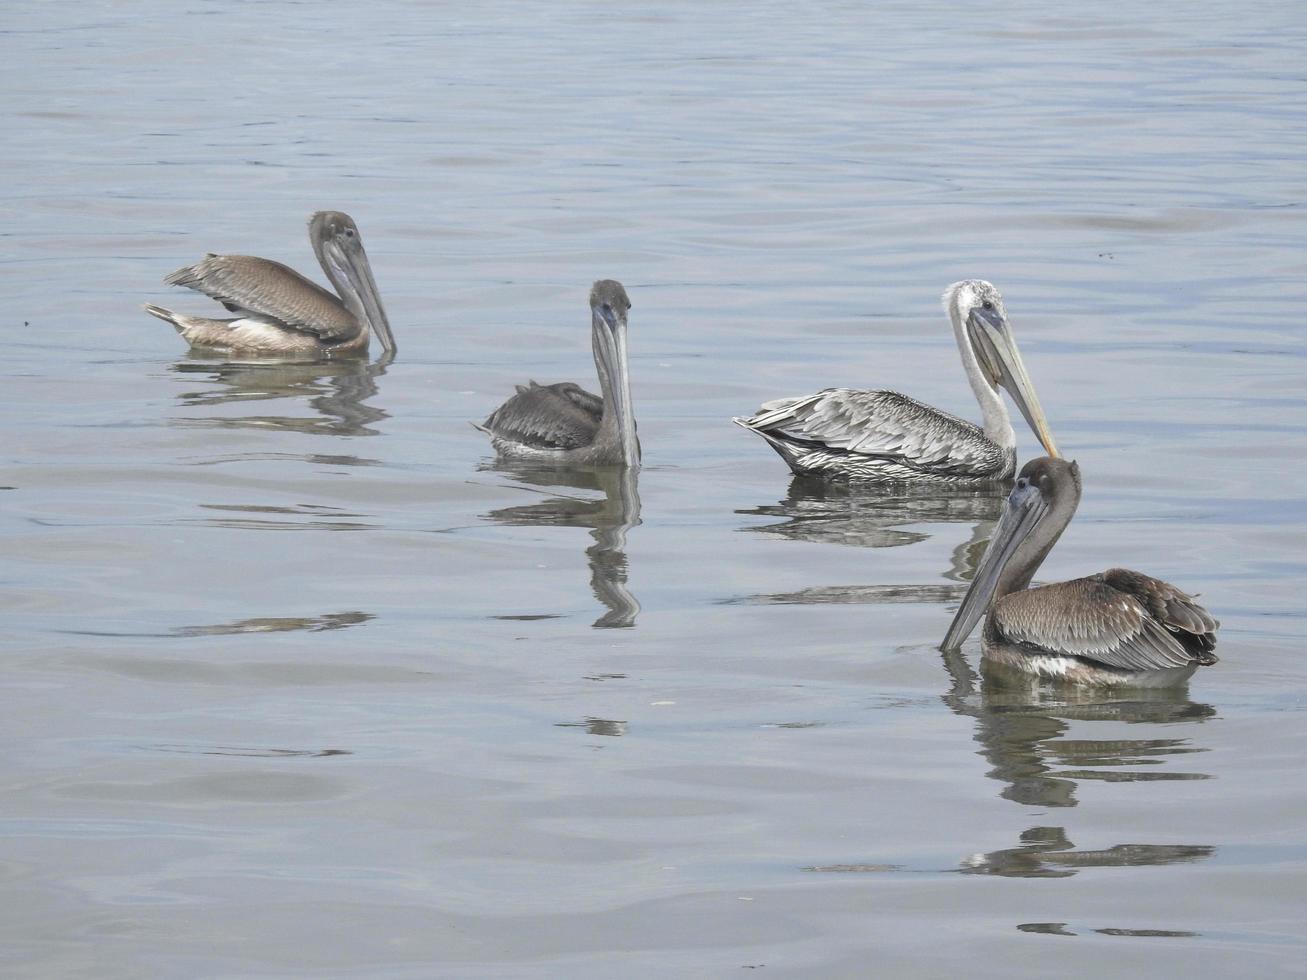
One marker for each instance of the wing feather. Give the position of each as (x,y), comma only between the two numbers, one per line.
(590,404)
(1189,622)
(1093,619)
(882,424)
(559,416)
(263,289)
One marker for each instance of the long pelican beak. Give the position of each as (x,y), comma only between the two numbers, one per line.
(352,264)
(1025,508)
(992,340)
(609,327)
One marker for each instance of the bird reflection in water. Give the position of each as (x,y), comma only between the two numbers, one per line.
(1021,730)
(264,624)
(597,726)
(1045,852)
(608,519)
(279,624)
(337,392)
(1060,929)
(871,516)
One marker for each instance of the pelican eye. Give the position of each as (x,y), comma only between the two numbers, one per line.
(988,304)
(1023,483)
(349,232)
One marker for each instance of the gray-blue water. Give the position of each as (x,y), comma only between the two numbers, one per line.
(296,683)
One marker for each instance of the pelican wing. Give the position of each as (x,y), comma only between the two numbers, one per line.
(1189,622)
(883,424)
(592,405)
(267,290)
(1091,619)
(558,416)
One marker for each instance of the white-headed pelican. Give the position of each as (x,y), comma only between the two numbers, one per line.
(883,435)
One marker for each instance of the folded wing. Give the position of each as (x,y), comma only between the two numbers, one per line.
(882,424)
(1095,619)
(558,416)
(262,289)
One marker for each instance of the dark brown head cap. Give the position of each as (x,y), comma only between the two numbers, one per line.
(609,292)
(333,224)
(1051,477)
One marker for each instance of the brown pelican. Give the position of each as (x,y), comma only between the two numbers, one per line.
(882,435)
(1118,626)
(564,423)
(277,310)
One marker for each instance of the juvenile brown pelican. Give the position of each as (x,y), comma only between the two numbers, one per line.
(882,435)
(1118,626)
(277,310)
(563,423)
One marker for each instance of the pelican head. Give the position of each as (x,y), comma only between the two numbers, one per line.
(609,306)
(339,247)
(1037,511)
(976,306)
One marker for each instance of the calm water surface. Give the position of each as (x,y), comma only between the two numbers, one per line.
(298,682)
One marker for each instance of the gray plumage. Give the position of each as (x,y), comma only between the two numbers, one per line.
(1114,627)
(886,436)
(878,435)
(279,311)
(561,417)
(563,423)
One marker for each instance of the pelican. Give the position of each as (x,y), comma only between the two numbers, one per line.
(1115,627)
(882,435)
(564,423)
(281,312)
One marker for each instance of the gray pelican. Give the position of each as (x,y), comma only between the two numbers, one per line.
(1115,627)
(564,423)
(277,310)
(882,435)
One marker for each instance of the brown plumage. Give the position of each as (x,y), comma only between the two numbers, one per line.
(278,310)
(247,284)
(1118,618)
(1112,627)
